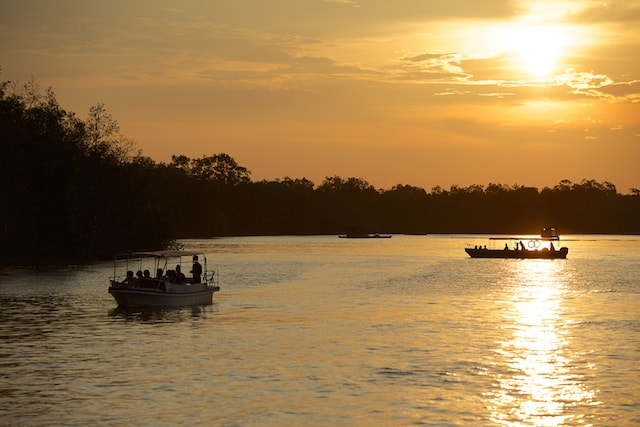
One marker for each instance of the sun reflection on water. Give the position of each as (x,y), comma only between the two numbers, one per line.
(536,384)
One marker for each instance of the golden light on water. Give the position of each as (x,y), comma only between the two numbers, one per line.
(540,387)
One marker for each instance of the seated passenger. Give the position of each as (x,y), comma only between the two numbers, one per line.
(129,280)
(146,281)
(180,276)
(171,274)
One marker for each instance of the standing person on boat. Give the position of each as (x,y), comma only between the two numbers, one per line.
(196,270)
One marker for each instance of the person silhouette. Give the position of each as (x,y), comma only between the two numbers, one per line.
(196,270)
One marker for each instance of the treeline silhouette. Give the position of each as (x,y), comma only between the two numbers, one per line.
(74,192)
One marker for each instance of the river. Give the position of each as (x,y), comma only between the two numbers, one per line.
(321,331)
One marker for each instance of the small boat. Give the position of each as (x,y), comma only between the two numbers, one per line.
(169,287)
(365,236)
(535,247)
(549,233)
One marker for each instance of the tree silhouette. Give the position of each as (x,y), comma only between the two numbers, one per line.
(219,168)
(75,192)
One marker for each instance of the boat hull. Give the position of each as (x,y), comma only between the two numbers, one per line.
(509,253)
(139,297)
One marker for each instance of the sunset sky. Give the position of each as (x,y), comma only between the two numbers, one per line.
(418,92)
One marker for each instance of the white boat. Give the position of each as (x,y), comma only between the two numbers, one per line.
(168,286)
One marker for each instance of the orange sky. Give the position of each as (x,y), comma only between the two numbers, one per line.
(413,92)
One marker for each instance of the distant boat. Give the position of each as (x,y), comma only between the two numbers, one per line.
(168,287)
(365,236)
(549,233)
(535,247)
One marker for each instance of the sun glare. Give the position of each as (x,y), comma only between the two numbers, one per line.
(539,48)
(534,50)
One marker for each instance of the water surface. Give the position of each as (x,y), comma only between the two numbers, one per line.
(326,331)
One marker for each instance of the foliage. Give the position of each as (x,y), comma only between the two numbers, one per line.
(74,192)
(220,169)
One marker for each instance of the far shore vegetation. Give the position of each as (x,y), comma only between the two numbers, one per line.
(76,191)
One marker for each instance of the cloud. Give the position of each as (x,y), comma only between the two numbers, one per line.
(435,67)
(346,2)
(583,81)
(609,12)
(628,91)
(600,86)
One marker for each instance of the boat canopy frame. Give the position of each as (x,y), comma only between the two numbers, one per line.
(543,239)
(158,256)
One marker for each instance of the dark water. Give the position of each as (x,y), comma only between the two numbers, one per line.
(328,331)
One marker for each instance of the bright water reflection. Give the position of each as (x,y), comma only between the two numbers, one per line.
(541,386)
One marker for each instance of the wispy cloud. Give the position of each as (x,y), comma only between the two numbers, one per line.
(353,3)
(607,12)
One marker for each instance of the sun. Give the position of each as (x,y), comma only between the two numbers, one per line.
(538,48)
